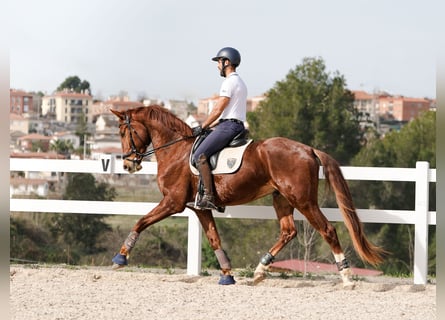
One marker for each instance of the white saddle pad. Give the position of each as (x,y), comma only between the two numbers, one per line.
(229,160)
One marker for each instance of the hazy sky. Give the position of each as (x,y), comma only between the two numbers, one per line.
(163,48)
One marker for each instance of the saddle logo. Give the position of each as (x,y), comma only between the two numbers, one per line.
(231,162)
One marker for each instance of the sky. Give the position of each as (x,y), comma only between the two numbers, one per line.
(163,49)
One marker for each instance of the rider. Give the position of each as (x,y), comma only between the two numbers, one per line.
(227,118)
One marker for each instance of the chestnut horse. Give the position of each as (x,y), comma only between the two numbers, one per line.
(284,168)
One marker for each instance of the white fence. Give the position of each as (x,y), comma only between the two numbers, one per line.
(421,217)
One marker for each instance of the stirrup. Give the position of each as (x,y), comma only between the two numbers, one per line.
(201,203)
(206,203)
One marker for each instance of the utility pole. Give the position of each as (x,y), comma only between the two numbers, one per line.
(84,146)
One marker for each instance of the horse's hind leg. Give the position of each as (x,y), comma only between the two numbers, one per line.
(287,232)
(208,224)
(317,220)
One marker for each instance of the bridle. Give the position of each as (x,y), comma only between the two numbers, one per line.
(134,150)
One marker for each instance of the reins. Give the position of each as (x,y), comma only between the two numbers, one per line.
(150,152)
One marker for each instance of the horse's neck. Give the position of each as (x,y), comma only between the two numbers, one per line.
(162,136)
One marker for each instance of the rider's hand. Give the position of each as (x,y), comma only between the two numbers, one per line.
(196,131)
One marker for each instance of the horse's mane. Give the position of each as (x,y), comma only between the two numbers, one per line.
(167,118)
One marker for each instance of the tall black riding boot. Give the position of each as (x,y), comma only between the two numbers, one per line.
(206,201)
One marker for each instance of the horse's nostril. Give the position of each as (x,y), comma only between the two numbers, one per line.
(125,167)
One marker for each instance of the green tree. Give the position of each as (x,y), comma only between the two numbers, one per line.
(74,83)
(82,231)
(312,106)
(39,146)
(191,108)
(82,130)
(416,141)
(62,146)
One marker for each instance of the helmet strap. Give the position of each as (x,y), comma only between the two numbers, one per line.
(224,66)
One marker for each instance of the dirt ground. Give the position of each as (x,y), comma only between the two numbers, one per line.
(63,292)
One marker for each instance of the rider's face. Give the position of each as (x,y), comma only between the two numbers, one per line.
(220,64)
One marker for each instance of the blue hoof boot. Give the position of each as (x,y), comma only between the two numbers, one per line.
(120,259)
(226,279)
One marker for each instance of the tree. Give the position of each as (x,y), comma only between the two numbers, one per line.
(62,146)
(416,141)
(39,146)
(313,107)
(82,130)
(81,231)
(191,108)
(74,83)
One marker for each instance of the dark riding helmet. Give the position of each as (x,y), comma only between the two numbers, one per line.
(229,53)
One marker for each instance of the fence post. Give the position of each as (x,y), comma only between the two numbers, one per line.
(194,244)
(421,223)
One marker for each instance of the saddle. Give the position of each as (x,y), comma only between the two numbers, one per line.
(229,159)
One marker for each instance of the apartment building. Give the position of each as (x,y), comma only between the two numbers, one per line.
(401,108)
(68,106)
(21,102)
(387,107)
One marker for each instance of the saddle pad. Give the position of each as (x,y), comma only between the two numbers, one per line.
(229,160)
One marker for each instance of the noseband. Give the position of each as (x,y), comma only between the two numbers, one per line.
(134,150)
(141,155)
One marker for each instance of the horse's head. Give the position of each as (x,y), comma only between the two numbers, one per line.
(134,138)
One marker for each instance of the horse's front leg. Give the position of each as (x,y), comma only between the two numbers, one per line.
(163,210)
(208,224)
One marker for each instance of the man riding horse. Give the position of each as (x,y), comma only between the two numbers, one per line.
(227,120)
(287,170)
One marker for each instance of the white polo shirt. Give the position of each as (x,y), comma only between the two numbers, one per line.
(234,88)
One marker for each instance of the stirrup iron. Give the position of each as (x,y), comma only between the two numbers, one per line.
(198,199)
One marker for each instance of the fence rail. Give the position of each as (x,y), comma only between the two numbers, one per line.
(420,216)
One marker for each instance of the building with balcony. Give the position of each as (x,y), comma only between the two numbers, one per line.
(404,109)
(21,102)
(68,107)
(389,112)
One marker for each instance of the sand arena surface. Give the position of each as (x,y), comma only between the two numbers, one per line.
(61,292)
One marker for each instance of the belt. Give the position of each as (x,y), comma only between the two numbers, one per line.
(232,120)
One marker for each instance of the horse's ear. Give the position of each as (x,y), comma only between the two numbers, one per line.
(119,114)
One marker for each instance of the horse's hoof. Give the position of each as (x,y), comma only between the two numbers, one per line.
(119,261)
(226,279)
(116,266)
(258,277)
(349,286)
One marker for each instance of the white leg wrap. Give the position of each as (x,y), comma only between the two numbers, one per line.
(339,257)
(261,268)
(346,277)
(224,262)
(345,271)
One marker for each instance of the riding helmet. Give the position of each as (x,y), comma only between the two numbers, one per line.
(229,53)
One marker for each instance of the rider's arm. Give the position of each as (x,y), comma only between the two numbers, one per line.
(221,104)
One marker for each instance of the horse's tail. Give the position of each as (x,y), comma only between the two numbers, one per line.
(334,177)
